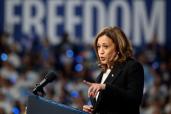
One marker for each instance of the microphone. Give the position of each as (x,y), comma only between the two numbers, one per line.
(48,78)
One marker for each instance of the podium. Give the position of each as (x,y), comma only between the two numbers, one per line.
(40,105)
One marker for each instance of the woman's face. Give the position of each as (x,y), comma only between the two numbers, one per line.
(106,49)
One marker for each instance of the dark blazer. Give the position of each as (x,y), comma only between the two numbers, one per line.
(124,90)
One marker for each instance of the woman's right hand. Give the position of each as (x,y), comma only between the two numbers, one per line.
(88,108)
(94,88)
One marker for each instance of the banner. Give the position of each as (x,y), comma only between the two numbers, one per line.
(141,20)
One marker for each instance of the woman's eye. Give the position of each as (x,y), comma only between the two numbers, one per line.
(105,46)
(98,47)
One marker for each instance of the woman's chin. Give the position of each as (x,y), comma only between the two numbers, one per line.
(103,62)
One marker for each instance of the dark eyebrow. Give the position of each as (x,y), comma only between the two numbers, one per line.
(105,43)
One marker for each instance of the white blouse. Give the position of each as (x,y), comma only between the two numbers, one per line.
(105,75)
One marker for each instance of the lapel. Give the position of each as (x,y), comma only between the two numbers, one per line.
(115,72)
(99,78)
(112,75)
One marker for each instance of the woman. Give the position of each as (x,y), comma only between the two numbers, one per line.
(119,87)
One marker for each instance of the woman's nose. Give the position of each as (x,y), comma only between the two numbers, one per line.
(101,51)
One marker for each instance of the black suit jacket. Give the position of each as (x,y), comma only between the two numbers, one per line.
(124,89)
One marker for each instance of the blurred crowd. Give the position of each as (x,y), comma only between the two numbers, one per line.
(25,62)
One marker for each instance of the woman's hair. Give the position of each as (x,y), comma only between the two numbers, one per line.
(123,47)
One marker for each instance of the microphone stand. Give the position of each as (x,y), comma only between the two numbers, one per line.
(39,92)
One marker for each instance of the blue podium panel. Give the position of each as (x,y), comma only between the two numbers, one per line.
(39,105)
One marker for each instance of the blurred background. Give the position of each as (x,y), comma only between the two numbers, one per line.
(37,36)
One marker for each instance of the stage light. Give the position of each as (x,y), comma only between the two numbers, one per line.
(69,53)
(15,110)
(74,94)
(79,67)
(4,57)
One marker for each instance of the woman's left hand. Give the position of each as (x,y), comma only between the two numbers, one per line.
(94,88)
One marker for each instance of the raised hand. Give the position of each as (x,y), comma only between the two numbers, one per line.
(94,88)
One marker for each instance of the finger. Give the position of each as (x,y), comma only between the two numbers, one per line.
(91,91)
(97,90)
(88,111)
(94,91)
(87,108)
(94,88)
(92,94)
(87,83)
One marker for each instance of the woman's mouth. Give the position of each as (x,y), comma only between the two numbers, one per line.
(102,58)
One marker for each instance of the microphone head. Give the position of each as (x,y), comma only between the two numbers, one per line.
(51,76)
